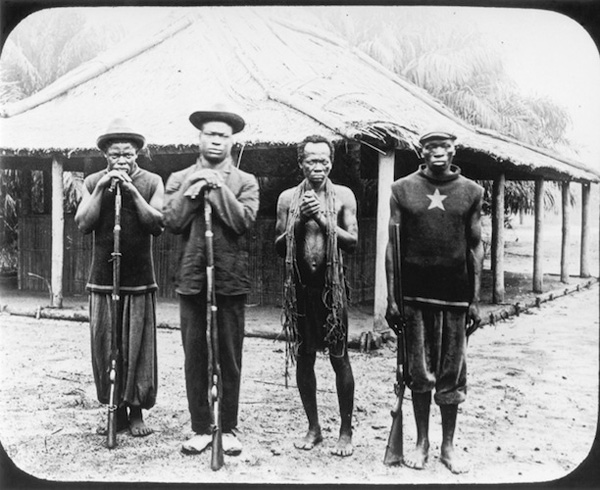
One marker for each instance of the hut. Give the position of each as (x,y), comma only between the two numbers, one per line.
(290,79)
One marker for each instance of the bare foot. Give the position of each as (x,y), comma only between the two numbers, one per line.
(417,458)
(310,440)
(452,463)
(344,446)
(137,427)
(122,422)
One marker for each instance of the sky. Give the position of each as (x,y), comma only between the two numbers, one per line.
(545,52)
(550,54)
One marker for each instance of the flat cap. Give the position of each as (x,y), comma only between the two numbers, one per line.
(436,135)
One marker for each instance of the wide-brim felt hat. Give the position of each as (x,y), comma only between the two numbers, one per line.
(436,135)
(120,129)
(219,112)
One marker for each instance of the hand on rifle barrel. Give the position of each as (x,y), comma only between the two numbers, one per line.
(195,189)
(392,316)
(205,177)
(114,177)
(473,319)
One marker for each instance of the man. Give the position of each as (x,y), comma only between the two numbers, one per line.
(233,196)
(315,221)
(438,211)
(142,195)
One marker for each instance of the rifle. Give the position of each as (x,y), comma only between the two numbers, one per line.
(115,354)
(394,450)
(212,341)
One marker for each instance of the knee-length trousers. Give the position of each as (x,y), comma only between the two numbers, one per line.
(437,351)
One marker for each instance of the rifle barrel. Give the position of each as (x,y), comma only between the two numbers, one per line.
(111,436)
(394,451)
(212,341)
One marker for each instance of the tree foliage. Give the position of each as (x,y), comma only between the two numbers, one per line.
(49,44)
(455,63)
(458,65)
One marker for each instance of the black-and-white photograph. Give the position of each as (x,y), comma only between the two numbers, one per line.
(349,244)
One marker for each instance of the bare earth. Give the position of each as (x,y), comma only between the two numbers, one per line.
(530,414)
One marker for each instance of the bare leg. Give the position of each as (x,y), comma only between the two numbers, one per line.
(137,427)
(344,381)
(421,405)
(448,456)
(307,386)
(122,422)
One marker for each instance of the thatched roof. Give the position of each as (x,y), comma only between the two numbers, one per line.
(289,79)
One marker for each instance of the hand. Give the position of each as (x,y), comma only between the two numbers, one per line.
(473,318)
(392,314)
(196,189)
(310,206)
(473,313)
(122,178)
(212,178)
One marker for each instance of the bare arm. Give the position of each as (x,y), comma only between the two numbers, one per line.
(395,219)
(149,213)
(347,234)
(283,206)
(88,211)
(475,258)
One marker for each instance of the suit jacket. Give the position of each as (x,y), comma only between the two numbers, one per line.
(234,206)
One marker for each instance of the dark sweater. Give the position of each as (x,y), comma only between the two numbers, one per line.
(137,268)
(435,218)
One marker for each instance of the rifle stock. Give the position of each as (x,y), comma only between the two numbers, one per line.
(111,435)
(394,451)
(212,341)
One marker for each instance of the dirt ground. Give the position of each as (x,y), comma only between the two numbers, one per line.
(530,414)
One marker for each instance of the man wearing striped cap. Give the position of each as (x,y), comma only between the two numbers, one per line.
(439,213)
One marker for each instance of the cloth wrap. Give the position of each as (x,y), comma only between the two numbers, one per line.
(334,287)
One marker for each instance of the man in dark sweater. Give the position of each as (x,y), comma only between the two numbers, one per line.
(439,213)
(142,195)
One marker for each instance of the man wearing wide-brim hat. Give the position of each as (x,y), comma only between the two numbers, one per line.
(140,214)
(441,255)
(233,196)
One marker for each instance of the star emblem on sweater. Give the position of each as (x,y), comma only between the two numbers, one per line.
(436,200)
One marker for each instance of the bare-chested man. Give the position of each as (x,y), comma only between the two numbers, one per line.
(316,221)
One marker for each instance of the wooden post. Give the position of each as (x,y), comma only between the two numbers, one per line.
(384,192)
(585,229)
(498,239)
(538,274)
(566,230)
(58,227)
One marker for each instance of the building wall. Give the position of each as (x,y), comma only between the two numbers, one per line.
(266,268)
